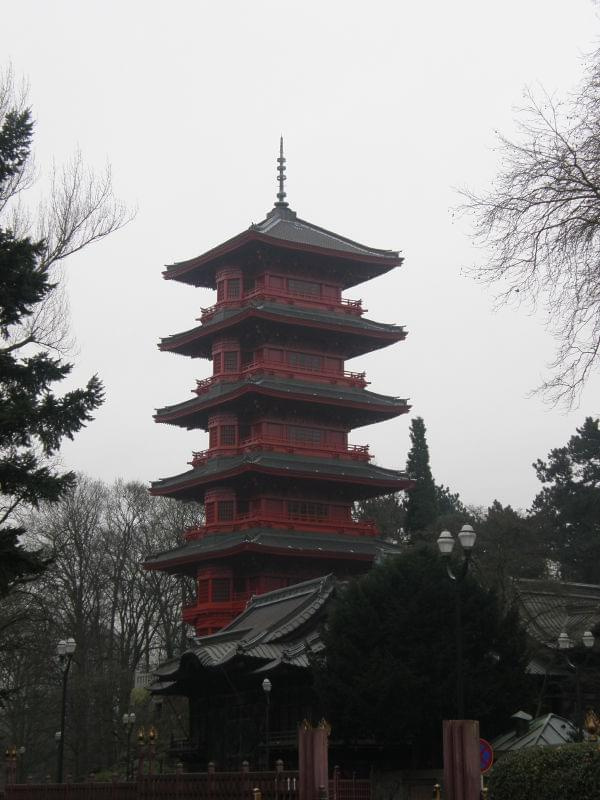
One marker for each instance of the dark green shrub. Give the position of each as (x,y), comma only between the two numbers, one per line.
(570,772)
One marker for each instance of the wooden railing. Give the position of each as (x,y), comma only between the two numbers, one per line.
(356,379)
(280,785)
(295,522)
(353,452)
(261,293)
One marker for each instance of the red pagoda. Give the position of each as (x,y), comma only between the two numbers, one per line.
(279,477)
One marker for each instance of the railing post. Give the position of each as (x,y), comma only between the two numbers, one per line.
(336,782)
(210,779)
(437,792)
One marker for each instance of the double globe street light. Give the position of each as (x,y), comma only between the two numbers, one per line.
(446,542)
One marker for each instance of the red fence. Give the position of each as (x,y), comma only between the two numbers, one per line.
(180,786)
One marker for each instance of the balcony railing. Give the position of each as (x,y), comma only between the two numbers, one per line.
(343,305)
(347,378)
(354,452)
(289,522)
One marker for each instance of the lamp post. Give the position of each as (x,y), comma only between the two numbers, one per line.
(65,650)
(128,722)
(566,644)
(267,686)
(445,544)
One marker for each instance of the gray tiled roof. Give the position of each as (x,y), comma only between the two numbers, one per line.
(549,730)
(282,228)
(283,463)
(284,224)
(549,607)
(383,406)
(284,314)
(264,633)
(272,539)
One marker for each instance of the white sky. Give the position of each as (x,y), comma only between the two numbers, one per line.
(386,107)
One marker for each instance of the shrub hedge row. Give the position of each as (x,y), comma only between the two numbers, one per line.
(569,772)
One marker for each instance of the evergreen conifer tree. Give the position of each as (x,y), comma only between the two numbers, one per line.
(422,502)
(33,420)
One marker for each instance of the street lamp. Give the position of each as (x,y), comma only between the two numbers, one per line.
(445,542)
(267,686)
(128,722)
(65,649)
(566,644)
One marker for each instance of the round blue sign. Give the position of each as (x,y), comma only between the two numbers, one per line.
(486,755)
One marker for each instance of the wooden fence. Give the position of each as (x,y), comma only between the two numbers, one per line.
(282,785)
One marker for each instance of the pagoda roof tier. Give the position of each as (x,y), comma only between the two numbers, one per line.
(269,541)
(355,335)
(348,404)
(347,261)
(363,479)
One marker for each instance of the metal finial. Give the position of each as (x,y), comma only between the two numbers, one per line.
(281,203)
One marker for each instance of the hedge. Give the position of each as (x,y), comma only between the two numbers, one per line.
(569,772)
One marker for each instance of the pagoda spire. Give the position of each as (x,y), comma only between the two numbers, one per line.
(281,195)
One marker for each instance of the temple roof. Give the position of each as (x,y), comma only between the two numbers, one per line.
(283,229)
(364,407)
(360,335)
(298,543)
(549,607)
(323,470)
(279,627)
(547,731)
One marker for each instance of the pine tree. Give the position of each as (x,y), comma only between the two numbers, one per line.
(568,507)
(33,420)
(422,504)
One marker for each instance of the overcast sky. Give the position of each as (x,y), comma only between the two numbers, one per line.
(386,108)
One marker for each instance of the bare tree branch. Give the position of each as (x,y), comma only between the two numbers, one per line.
(540,222)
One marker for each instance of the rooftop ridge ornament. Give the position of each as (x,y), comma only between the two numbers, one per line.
(281,195)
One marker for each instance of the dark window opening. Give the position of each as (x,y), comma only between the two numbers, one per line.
(225,510)
(227,435)
(230,361)
(221,590)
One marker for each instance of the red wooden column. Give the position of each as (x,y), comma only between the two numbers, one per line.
(312,760)
(462,779)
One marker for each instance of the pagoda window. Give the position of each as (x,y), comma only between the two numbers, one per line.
(247,357)
(306,361)
(225,510)
(221,590)
(216,359)
(274,430)
(239,584)
(331,292)
(274,355)
(301,509)
(230,361)
(228,435)
(333,364)
(305,435)
(220,291)
(209,512)
(245,432)
(213,437)
(243,507)
(336,438)
(233,288)
(203,591)
(300,287)
(273,506)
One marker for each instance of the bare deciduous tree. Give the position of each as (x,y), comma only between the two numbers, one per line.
(541,223)
(78,208)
